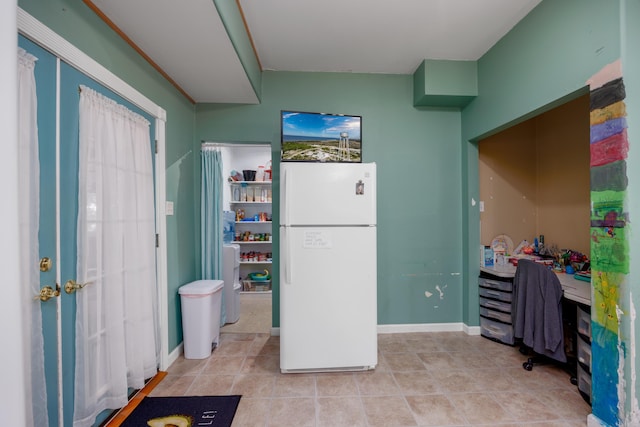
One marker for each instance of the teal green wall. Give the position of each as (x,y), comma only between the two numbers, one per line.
(440,83)
(545,60)
(548,55)
(234,24)
(75,22)
(418,157)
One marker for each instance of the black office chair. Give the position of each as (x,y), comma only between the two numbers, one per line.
(537,312)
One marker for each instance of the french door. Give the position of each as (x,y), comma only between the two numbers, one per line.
(57,86)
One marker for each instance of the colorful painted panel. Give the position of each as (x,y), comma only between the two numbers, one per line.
(609,240)
(609,150)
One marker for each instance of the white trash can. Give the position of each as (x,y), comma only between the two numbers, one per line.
(201,302)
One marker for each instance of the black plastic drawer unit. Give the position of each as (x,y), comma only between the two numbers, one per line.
(497,331)
(584,351)
(496,315)
(496,296)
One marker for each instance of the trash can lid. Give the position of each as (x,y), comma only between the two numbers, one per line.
(201,287)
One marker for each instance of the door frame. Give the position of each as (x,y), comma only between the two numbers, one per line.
(37,32)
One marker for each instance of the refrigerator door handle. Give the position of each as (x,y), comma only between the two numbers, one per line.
(284,195)
(287,255)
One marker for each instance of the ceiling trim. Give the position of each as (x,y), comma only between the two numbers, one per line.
(135,47)
(246,27)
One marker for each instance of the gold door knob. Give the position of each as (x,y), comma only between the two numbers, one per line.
(71,286)
(45,264)
(47,292)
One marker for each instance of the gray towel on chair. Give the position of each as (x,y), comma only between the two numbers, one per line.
(538,309)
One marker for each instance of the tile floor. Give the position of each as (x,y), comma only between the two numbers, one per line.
(422,379)
(255,314)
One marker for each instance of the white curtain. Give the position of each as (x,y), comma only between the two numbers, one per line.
(29,210)
(116,345)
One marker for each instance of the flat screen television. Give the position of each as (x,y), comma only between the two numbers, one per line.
(320,137)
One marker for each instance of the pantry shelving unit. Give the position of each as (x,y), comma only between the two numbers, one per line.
(253,231)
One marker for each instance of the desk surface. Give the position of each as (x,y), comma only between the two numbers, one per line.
(574,289)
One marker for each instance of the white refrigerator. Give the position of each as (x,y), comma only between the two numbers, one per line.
(328,274)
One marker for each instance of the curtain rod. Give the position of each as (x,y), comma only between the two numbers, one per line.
(206,144)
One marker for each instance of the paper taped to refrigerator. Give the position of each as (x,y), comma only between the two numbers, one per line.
(316,239)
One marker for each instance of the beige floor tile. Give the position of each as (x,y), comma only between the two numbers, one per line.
(567,404)
(479,407)
(184,366)
(387,411)
(399,362)
(173,385)
(560,423)
(538,378)
(295,385)
(340,412)
(413,383)
(298,412)
(453,342)
(261,365)
(391,338)
(456,381)
(382,365)
(422,345)
(376,383)
(252,412)
(233,348)
(255,315)
(223,365)
(466,360)
(437,361)
(226,337)
(399,346)
(422,379)
(526,407)
(434,410)
(336,384)
(265,347)
(211,385)
(494,379)
(253,385)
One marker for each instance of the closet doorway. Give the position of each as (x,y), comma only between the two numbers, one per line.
(247,200)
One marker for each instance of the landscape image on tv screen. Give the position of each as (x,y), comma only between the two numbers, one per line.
(319,137)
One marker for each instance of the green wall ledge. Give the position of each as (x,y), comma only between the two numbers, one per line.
(439,83)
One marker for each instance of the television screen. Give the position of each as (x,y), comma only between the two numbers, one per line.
(320,137)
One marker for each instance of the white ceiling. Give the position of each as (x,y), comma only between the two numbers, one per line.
(188,41)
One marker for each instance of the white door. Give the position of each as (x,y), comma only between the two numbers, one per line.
(58,220)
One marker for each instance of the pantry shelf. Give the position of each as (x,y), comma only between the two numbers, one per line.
(252,205)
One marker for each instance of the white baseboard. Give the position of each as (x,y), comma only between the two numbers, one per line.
(417,327)
(471,330)
(428,327)
(173,356)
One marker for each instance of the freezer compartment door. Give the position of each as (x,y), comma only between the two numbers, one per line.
(327,193)
(328,299)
